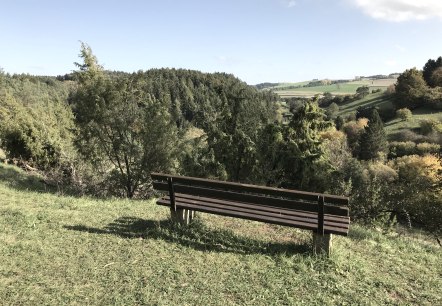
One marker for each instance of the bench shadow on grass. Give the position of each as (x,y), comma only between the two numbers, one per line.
(197,236)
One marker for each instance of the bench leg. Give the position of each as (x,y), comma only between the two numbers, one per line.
(182,216)
(322,244)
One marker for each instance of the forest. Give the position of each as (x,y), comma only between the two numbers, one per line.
(101,133)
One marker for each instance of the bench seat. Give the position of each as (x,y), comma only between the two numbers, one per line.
(288,217)
(323,214)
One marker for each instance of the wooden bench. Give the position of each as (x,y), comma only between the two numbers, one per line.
(323,214)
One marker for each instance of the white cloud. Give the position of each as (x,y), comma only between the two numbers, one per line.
(401,10)
(288,3)
(291,3)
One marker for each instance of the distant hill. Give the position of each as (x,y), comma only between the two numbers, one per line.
(335,87)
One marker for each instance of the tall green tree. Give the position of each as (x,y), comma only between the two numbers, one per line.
(362,91)
(269,147)
(233,133)
(122,127)
(302,147)
(374,140)
(428,70)
(410,89)
(436,77)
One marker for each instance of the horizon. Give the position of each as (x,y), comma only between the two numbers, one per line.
(260,41)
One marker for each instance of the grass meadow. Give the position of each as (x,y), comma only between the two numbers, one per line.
(347,88)
(379,100)
(57,249)
(397,125)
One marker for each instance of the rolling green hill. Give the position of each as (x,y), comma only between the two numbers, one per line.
(58,250)
(301,89)
(378,99)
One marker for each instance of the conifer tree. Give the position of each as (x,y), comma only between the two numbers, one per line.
(302,145)
(122,127)
(374,140)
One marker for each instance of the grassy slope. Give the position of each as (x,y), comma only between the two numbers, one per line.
(336,89)
(384,102)
(65,250)
(396,125)
(376,99)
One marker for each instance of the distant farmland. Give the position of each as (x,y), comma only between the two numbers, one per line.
(288,90)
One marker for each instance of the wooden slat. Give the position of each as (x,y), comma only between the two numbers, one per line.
(256,199)
(162,186)
(270,191)
(290,204)
(306,215)
(255,217)
(256,209)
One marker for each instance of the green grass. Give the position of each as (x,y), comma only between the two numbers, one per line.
(58,250)
(282,85)
(385,102)
(377,99)
(336,89)
(396,125)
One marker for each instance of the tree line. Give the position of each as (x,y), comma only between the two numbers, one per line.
(102,132)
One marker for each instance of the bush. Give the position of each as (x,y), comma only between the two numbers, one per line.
(332,110)
(368,202)
(399,149)
(387,113)
(2,155)
(404,114)
(391,89)
(430,125)
(427,148)
(418,189)
(40,133)
(354,130)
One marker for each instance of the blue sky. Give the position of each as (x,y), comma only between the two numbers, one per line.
(258,41)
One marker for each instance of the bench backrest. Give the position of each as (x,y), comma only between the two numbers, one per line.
(268,196)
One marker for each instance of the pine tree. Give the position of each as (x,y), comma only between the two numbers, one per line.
(122,128)
(374,140)
(302,145)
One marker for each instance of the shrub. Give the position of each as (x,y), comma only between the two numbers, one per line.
(430,125)
(391,89)
(399,149)
(40,133)
(332,110)
(368,202)
(427,148)
(354,130)
(2,155)
(404,114)
(418,189)
(406,135)
(387,113)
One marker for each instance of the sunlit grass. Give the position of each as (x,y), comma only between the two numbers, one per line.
(345,88)
(66,250)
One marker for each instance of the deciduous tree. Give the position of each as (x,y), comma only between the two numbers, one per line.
(429,68)
(410,89)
